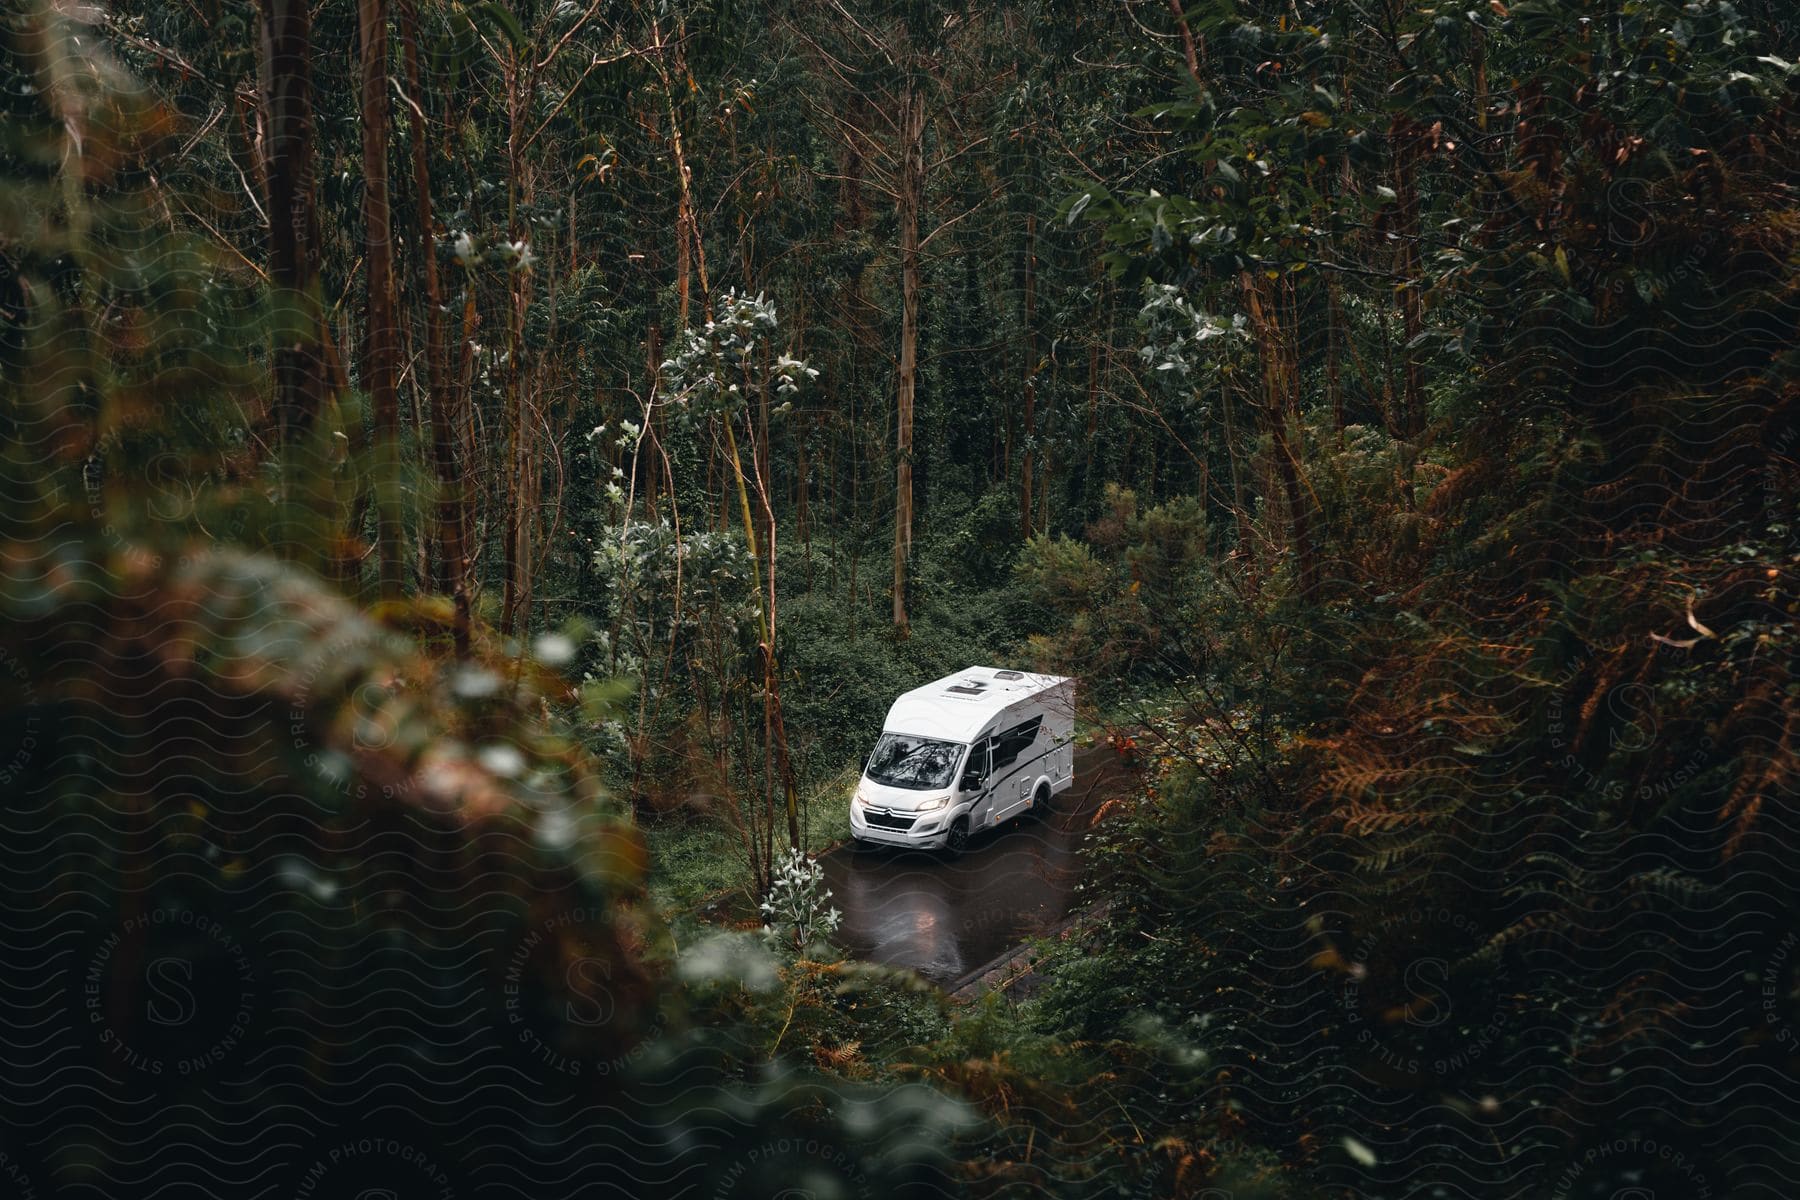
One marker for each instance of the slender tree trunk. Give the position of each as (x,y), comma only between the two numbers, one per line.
(1478,50)
(1278,406)
(380,353)
(300,359)
(452,558)
(1334,353)
(912,187)
(474,450)
(1045,470)
(1239,505)
(774,726)
(512,481)
(522,474)
(1299,512)
(1189,44)
(1027,457)
(248,148)
(648,476)
(762,414)
(683,268)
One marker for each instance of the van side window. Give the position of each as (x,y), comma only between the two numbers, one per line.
(1010,743)
(978,758)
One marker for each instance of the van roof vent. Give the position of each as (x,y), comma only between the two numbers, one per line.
(1009,674)
(970,688)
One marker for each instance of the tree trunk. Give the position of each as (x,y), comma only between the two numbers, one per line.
(912,187)
(641,464)
(380,353)
(451,570)
(1408,149)
(1334,351)
(522,460)
(1279,403)
(301,374)
(1240,507)
(774,726)
(1299,512)
(1027,457)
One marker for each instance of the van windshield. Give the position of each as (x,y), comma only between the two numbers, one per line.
(903,761)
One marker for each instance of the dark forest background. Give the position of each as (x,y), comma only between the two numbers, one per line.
(452,450)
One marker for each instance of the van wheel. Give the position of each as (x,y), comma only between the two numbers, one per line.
(957,840)
(1040,802)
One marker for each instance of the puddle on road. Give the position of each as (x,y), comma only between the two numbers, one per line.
(945,917)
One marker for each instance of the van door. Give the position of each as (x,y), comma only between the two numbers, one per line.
(980,761)
(1016,764)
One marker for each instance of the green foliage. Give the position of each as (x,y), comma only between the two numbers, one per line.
(1426,455)
(1508,691)
(1061,574)
(402,898)
(1119,601)
(721,364)
(847,669)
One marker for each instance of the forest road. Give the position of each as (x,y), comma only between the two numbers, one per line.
(944,917)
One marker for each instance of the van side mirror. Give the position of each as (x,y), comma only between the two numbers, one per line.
(971,781)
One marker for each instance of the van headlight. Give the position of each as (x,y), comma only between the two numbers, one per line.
(934,805)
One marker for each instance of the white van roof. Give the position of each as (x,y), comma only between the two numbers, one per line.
(955,708)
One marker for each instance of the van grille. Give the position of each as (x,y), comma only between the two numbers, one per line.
(882,820)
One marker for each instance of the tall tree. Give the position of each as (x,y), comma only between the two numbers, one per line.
(381,329)
(1029,380)
(906,375)
(885,67)
(450,562)
(301,352)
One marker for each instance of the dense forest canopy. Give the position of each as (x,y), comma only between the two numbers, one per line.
(475,474)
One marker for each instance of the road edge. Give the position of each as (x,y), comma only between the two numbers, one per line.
(1008,967)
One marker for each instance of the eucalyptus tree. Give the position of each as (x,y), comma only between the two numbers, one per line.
(711,378)
(893,84)
(381,350)
(304,374)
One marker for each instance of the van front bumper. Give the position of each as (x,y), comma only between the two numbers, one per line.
(926,832)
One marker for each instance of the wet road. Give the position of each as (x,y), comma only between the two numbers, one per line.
(945,917)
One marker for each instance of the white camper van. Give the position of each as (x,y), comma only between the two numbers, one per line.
(964,754)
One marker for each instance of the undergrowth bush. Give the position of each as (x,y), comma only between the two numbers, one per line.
(1122,605)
